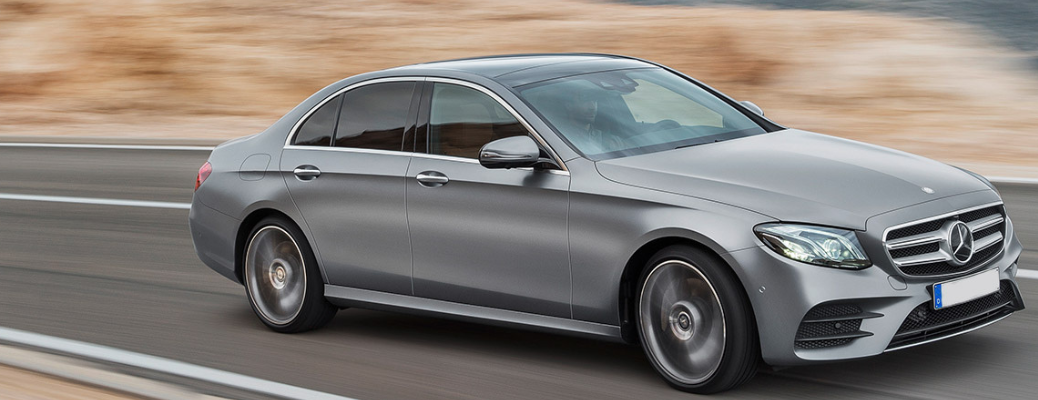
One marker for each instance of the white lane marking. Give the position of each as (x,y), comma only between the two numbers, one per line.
(1027,273)
(163,365)
(107,146)
(995,179)
(74,369)
(1010,179)
(91,200)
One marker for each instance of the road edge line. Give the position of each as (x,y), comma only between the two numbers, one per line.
(993,179)
(95,200)
(89,374)
(107,146)
(162,365)
(1011,179)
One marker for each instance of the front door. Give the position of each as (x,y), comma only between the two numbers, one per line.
(494,238)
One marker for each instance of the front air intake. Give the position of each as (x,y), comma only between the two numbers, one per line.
(925,324)
(831,325)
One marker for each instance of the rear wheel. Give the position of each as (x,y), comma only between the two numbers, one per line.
(282,280)
(695,323)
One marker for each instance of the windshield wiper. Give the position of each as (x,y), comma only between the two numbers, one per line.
(697,144)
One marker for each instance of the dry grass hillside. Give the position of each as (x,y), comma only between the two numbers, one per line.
(226,68)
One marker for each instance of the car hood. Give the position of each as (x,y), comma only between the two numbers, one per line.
(796,176)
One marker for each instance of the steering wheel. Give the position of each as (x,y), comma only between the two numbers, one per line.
(664,124)
(661,125)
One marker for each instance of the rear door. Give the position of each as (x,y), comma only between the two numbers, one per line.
(345,171)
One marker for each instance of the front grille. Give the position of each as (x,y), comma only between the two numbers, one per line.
(924,323)
(831,325)
(941,268)
(915,251)
(921,249)
(916,229)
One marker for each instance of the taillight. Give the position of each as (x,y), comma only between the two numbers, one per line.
(203,173)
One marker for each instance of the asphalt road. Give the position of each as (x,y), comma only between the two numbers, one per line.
(128,277)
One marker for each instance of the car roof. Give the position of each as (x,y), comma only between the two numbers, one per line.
(521,69)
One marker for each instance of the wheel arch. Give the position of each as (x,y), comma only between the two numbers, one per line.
(245,227)
(636,264)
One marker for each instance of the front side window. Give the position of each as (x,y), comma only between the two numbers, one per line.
(629,112)
(318,127)
(462,120)
(373,116)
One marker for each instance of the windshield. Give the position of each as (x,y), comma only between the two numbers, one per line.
(629,112)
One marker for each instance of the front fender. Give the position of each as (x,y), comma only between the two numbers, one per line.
(610,222)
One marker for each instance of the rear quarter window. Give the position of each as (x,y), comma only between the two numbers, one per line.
(318,128)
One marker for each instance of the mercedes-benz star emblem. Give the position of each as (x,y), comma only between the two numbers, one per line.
(960,239)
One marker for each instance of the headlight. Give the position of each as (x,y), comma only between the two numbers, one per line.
(819,245)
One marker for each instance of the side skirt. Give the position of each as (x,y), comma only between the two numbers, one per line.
(350,297)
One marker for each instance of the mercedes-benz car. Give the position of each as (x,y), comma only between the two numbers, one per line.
(608,197)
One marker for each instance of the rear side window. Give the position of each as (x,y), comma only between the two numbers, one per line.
(462,120)
(318,128)
(374,116)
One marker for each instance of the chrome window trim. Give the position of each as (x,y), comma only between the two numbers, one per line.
(409,154)
(476,161)
(536,135)
(351,150)
(446,157)
(550,171)
(295,128)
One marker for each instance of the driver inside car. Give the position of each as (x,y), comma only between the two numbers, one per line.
(581,108)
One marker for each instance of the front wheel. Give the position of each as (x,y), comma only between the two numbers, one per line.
(282,280)
(695,322)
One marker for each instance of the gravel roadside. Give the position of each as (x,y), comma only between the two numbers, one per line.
(28,374)
(24,385)
(108,69)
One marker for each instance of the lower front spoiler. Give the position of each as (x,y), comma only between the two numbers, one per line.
(925,325)
(807,315)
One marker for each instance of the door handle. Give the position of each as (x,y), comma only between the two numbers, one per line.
(306,172)
(432,179)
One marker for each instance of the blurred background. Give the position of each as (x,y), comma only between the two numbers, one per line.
(949,79)
(953,80)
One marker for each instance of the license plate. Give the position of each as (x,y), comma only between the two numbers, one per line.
(958,291)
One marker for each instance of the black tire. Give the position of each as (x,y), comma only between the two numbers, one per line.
(685,292)
(282,280)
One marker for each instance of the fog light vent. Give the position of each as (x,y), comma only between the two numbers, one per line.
(831,325)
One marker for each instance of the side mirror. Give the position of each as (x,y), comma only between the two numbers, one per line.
(510,152)
(752,107)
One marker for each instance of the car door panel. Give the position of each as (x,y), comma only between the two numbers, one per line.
(494,238)
(486,237)
(355,213)
(352,195)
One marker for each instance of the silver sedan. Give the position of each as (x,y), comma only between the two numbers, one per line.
(607,197)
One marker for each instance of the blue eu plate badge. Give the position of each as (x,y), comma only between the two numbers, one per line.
(961,290)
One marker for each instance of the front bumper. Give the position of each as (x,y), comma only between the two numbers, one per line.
(783,293)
